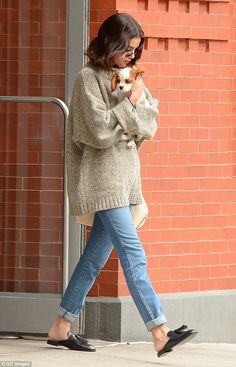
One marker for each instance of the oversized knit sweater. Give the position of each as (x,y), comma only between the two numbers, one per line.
(102,172)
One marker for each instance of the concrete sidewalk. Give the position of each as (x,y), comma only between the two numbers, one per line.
(34,353)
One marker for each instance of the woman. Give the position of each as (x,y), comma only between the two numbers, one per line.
(104,178)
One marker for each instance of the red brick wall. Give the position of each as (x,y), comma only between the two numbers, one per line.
(32,49)
(188,170)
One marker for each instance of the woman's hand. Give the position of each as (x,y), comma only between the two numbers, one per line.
(137,90)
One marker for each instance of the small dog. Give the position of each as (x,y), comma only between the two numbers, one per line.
(122,82)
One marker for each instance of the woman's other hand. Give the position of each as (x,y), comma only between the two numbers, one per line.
(137,90)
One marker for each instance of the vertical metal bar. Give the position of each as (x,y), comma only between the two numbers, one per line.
(65,111)
(77,42)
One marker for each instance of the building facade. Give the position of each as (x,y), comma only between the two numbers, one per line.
(188,169)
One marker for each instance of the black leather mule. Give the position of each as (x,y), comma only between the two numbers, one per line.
(74,342)
(178,336)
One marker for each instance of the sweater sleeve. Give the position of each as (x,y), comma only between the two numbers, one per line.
(139,143)
(96,125)
(148,115)
(93,123)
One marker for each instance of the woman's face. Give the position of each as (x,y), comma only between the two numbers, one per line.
(123,59)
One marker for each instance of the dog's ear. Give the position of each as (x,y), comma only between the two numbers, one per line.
(114,82)
(138,70)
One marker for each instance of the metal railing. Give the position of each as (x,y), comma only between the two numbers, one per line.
(65,111)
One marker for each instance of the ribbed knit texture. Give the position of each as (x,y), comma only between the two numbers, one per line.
(102,172)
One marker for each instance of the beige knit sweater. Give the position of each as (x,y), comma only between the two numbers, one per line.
(102,171)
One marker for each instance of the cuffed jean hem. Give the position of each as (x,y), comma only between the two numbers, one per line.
(156,322)
(66,315)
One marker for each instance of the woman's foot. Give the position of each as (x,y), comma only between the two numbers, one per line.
(59,329)
(160,338)
(165,339)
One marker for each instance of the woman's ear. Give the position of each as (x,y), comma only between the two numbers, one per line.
(114,82)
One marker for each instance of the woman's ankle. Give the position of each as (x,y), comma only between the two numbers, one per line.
(59,328)
(160,331)
(160,338)
(60,321)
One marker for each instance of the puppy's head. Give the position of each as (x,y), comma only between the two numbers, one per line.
(122,81)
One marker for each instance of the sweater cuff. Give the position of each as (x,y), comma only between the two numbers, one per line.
(131,103)
(127,116)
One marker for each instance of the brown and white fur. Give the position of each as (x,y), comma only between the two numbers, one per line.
(122,82)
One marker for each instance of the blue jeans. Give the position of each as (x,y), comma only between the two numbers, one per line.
(113,227)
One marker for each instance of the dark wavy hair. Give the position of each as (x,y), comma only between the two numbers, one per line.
(113,37)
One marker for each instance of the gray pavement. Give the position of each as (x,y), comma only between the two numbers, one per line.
(35,352)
